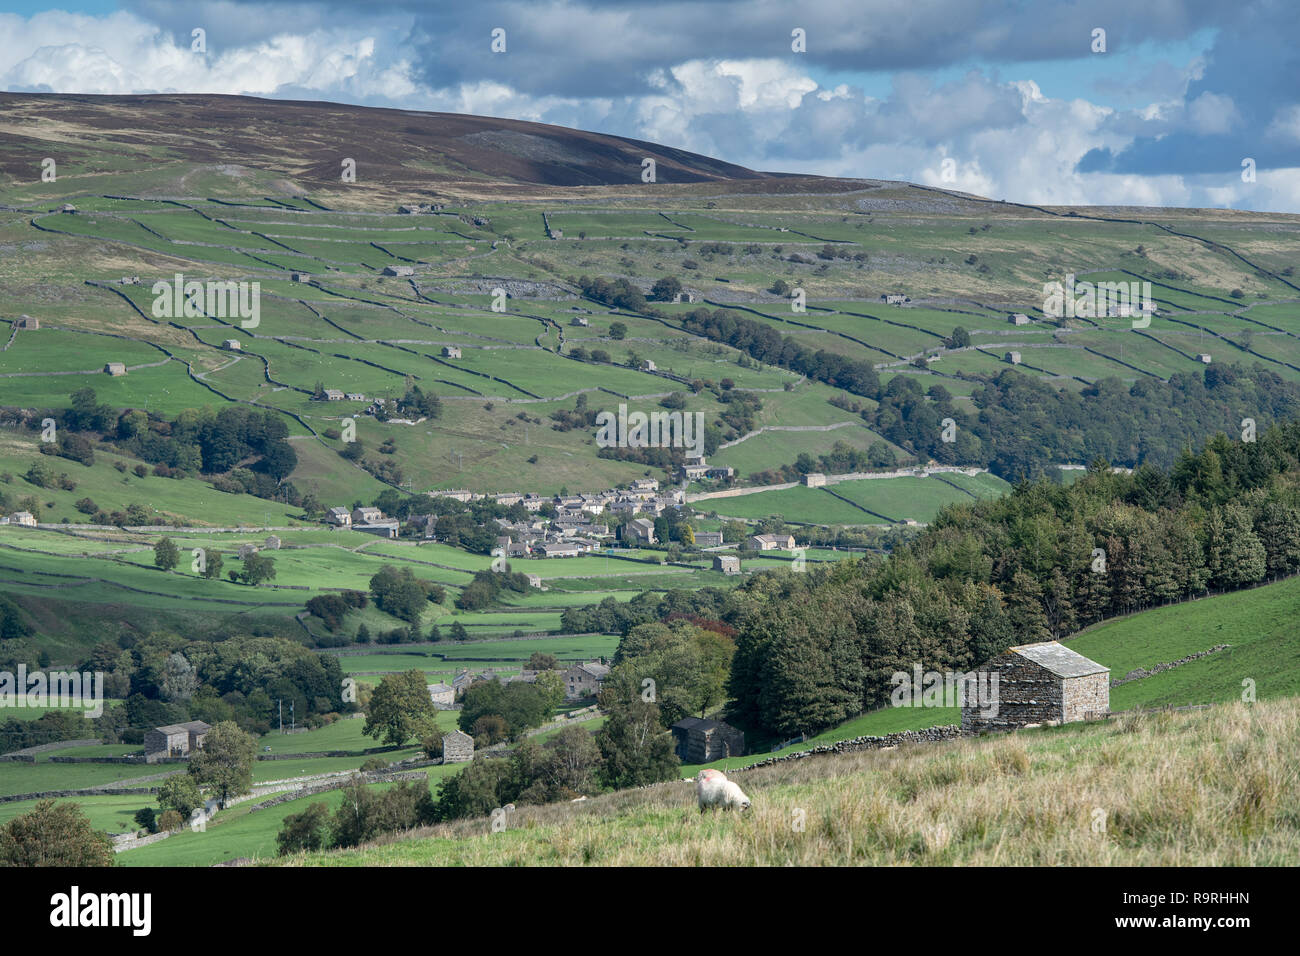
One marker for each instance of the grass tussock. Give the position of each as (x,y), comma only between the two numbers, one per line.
(1214,787)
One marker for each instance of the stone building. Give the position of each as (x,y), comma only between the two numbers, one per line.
(1018,318)
(442,696)
(584,680)
(698,740)
(1012,358)
(451,351)
(28,322)
(175,740)
(231,345)
(726,563)
(457,747)
(1040,683)
(814,479)
(399,271)
(708,539)
(115,368)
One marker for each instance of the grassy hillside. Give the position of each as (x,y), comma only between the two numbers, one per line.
(1215,787)
(726,233)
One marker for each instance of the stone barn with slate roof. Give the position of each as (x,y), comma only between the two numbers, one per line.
(698,740)
(1038,684)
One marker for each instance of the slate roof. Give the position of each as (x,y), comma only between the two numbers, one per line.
(1059,659)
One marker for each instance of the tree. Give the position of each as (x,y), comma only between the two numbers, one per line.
(618,331)
(212,565)
(458,632)
(54,834)
(635,747)
(1234,554)
(960,339)
(258,567)
(666,289)
(179,792)
(400,708)
(304,831)
(165,554)
(225,762)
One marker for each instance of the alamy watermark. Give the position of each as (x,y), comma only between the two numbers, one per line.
(1093,300)
(53,689)
(950,689)
(655,430)
(214,299)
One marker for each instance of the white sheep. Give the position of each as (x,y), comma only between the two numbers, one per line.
(714,790)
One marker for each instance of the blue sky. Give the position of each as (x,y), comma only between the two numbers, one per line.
(1005,98)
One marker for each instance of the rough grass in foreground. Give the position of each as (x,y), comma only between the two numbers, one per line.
(1213,787)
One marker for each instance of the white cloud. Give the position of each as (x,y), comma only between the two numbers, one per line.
(1008,138)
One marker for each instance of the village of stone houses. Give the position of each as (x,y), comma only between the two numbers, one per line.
(391,487)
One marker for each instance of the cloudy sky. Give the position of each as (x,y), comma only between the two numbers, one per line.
(1012,99)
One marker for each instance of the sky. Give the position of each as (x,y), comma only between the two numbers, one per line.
(1114,102)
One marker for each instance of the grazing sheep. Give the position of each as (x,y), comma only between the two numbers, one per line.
(714,790)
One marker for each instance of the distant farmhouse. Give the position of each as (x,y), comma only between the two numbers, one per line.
(340,517)
(175,740)
(697,740)
(584,680)
(771,542)
(1038,684)
(895,298)
(443,696)
(708,539)
(373,521)
(639,531)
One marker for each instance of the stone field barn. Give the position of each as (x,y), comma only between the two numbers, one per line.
(1038,683)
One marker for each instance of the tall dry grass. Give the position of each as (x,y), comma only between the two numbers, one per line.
(1213,787)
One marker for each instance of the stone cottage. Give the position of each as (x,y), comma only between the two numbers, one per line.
(698,740)
(584,680)
(1038,683)
(457,747)
(442,696)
